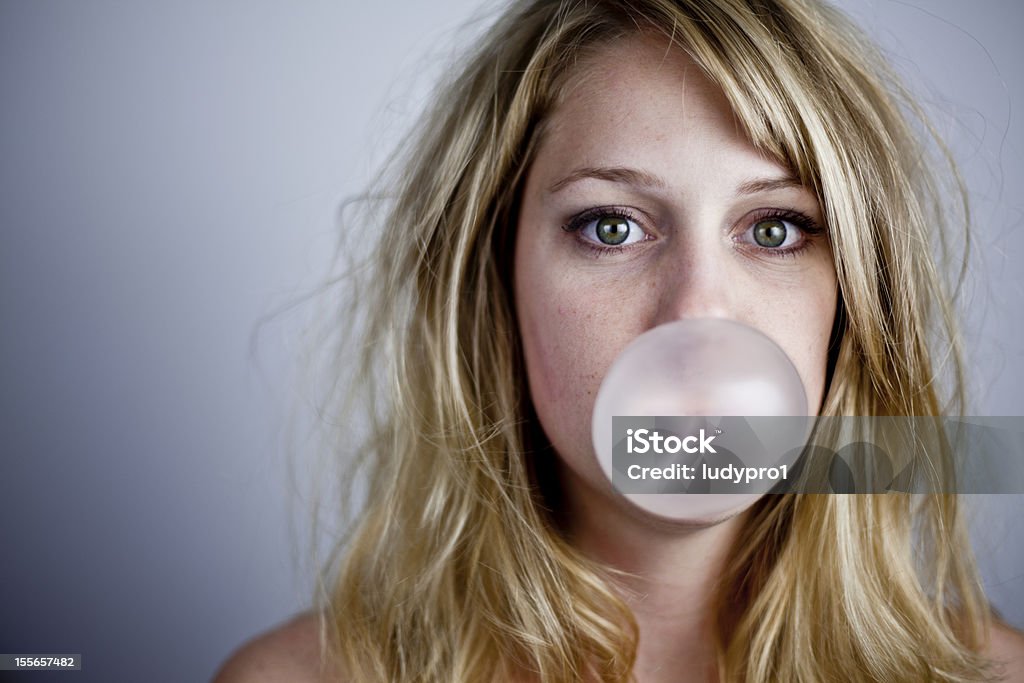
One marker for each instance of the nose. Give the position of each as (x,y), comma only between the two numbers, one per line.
(696,284)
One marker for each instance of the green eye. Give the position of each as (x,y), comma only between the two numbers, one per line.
(612,229)
(607,229)
(770,233)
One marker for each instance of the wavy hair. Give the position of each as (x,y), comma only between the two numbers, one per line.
(457,569)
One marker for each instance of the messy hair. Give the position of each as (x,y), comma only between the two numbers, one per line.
(457,570)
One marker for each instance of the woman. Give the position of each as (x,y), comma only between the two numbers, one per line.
(598,169)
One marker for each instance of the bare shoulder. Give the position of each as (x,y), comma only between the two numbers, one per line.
(287,653)
(1006,648)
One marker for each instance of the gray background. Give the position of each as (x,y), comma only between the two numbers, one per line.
(169,174)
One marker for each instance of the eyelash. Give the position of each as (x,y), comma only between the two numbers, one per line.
(804,223)
(807,226)
(582,220)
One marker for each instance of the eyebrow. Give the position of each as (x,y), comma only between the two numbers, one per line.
(633,176)
(615,174)
(768,184)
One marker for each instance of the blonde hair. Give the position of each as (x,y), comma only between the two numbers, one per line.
(457,570)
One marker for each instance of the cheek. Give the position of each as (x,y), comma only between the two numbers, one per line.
(555,351)
(568,340)
(562,368)
(822,315)
(794,305)
(803,329)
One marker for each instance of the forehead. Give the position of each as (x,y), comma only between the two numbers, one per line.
(642,100)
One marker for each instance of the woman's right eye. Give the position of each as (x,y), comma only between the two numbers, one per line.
(607,230)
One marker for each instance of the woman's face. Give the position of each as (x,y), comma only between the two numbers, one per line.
(647,204)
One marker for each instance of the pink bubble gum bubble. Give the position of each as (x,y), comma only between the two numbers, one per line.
(704,367)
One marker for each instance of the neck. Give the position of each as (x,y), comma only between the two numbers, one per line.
(671,585)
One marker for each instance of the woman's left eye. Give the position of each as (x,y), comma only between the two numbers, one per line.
(608,230)
(779,234)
